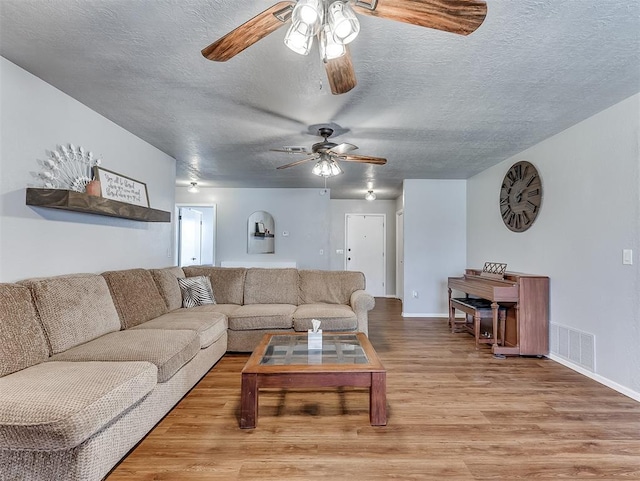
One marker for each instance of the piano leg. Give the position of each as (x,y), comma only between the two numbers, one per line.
(452,313)
(494,311)
(476,329)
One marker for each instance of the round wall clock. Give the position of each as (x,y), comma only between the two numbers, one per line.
(520,196)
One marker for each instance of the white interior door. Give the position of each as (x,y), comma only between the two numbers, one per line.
(399,255)
(365,249)
(190,239)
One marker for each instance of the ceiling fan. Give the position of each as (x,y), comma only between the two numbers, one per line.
(328,154)
(335,25)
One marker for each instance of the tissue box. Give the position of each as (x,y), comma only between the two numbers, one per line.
(314,339)
(314,357)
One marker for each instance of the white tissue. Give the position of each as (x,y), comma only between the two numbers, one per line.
(315,323)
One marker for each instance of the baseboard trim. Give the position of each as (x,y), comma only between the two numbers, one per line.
(596,377)
(425,314)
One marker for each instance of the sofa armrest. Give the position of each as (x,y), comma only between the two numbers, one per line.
(361,303)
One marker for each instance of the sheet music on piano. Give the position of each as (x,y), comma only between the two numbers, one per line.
(495,270)
(526,298)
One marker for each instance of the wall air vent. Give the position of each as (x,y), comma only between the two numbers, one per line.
(575,346)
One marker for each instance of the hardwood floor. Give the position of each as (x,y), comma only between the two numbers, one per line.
(454,413)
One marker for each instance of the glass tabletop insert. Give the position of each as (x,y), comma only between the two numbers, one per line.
(293,350)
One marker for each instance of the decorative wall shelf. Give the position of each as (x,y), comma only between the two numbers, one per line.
(89,204)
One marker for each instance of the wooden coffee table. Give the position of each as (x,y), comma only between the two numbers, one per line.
(284,361)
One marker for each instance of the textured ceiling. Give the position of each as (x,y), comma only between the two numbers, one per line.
(436,105)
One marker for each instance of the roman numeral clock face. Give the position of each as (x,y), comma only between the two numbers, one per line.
(520,196)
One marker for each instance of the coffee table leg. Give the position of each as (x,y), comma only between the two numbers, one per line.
(378,399)
(249,401)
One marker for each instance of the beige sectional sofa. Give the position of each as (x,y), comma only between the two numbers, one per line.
(258,300)
(90,363)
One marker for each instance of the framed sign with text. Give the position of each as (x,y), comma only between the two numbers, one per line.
(119,187)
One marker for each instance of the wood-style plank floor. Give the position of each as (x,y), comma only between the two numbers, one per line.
(454,414)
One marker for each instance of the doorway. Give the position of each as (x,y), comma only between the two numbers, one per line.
(366,249)
(400,255)
(195,234)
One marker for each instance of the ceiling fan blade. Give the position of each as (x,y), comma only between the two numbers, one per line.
(343,148)
(365,159)
(293,150)
(297,162)
(455,16)
(249,32)
(340,73)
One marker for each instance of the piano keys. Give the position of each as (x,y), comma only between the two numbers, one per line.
(526,298)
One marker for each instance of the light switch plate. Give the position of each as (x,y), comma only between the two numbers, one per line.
(627,257)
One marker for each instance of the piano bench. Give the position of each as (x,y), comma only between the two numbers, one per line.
(478,309)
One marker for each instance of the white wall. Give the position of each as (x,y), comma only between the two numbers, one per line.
(590,212)
(435,239)
(303,213)
(339,208)
(35,118)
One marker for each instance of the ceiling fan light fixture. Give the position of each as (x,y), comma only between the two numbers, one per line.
(370,195)
(329,48)
(326,168)
(193,188)
(343,22)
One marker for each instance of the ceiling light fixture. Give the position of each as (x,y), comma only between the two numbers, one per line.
(326,167)
(194,188)
(370,195)
(333,22)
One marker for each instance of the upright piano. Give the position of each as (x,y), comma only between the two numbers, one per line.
(526,298)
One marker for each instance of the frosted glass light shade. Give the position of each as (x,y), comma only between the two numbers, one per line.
(343,21)
(329,48)
(370,195)
(309,12)
(299,38)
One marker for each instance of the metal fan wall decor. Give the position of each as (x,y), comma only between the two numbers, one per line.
(68,167)
(335,25)
(327,154)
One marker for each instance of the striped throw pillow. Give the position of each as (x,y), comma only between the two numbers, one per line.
(196,291)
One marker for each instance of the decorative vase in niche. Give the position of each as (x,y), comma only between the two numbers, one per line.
(93,188)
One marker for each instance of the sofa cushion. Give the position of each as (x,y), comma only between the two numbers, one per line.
(209,326)
(168,350)
(58,405)
(226,309)
(262,316)
(22,342)
(271,286)
(196,291)
(227,282)
(331,287)
(333,317)
(167,283)
(73,309)
(135,295)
